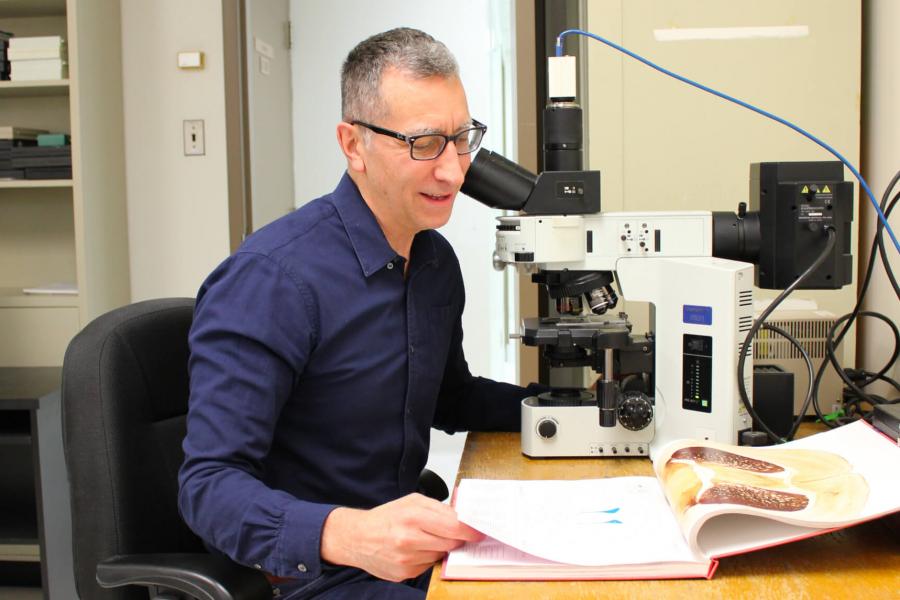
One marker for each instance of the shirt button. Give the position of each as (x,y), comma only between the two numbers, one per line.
(390,265)
(301,567)
(411,349)
(257,566)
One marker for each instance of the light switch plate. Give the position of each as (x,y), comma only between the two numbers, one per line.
(194,138)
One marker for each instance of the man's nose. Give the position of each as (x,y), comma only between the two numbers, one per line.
(449,165)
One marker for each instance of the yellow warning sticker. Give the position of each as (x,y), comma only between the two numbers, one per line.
(805,189)
(826,190)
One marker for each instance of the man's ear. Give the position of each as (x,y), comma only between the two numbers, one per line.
(350,140)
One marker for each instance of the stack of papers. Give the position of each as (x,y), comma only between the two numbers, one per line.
(53,289)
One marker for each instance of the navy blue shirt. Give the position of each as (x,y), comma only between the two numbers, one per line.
(317,370)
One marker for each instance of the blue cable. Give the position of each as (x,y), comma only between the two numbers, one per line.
(800,130)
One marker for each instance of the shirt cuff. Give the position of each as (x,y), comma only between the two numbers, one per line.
(301,539)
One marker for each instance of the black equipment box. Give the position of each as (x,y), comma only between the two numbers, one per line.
(796,202)
(773,397)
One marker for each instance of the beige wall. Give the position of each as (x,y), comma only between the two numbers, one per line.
(663,145)
(881,159)
(177,205)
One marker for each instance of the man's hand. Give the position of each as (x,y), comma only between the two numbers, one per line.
(394,541)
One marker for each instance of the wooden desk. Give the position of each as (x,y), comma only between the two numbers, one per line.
(859,562)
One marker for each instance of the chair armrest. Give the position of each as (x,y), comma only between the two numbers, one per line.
(203,576)
(431,485)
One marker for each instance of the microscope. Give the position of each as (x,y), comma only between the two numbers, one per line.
(696,269)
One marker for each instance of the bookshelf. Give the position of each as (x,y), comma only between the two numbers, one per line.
(68,230)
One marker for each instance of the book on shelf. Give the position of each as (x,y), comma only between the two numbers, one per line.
(11,132)
(14,54)
(48,172)
(707,501)
(41,156)
(40,42)
(38,70)
(54,139)
(57,288)
(6,145)
(4,61)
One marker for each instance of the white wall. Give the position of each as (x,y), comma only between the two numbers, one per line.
(269,110)
(177,205)
(881,159)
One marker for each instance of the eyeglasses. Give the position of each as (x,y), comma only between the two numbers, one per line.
(428,146)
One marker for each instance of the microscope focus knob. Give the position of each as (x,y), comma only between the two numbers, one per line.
(546,428)
(635,411)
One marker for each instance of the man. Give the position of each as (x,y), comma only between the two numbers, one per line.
(328,345)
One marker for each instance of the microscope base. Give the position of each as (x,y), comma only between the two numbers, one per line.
(557,431)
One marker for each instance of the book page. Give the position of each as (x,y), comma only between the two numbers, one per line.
(615,521)
(827,480)
(492,553)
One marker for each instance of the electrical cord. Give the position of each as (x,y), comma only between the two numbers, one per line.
(877,242)
(876,377)
(852,406)
(856,390)
(872,376)
(748,341)
(830,350)
(747,105)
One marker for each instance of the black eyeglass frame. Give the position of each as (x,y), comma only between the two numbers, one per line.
(411,139)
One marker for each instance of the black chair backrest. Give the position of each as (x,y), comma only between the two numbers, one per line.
(124,401)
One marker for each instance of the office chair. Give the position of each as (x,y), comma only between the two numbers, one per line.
(124,403)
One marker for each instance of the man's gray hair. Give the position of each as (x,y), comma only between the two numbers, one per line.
(413,52)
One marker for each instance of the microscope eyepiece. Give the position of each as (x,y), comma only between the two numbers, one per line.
(498,182)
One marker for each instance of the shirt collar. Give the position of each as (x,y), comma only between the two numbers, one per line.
(371,247)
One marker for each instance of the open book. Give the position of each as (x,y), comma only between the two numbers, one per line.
(707,501)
